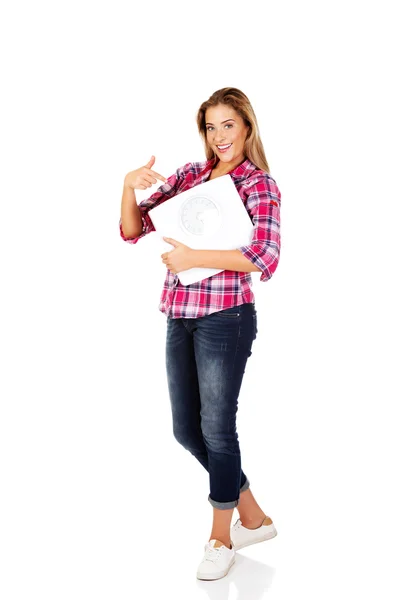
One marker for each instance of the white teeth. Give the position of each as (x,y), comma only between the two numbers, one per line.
(223,147)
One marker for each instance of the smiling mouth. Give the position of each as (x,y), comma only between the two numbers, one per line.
(224,147)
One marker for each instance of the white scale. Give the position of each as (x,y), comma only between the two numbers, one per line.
(210,216)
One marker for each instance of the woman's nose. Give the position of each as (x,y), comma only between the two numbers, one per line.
(220,137)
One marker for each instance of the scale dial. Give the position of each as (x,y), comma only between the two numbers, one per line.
(200,216)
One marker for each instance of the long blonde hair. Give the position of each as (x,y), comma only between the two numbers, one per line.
(253,147)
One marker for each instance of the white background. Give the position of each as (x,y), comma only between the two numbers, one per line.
(97,498)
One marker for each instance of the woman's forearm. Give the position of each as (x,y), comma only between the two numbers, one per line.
(131,219)
(231,260)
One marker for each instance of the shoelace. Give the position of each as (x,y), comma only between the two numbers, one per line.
(212,554)
(237,525)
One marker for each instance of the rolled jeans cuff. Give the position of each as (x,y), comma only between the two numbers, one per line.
(233,503)
(223,505)
(245,486)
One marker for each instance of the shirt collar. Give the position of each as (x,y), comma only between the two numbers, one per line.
(239,173)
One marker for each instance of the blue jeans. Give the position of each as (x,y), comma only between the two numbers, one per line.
(206,359)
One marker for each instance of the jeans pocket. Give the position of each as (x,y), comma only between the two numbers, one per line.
(229,313)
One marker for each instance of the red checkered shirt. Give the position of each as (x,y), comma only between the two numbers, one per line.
(262,199)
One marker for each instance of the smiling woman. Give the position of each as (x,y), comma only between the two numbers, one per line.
(211,324)
(228,125)
(226,135)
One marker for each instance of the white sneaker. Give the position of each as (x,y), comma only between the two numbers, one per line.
(241,536)
(217,560)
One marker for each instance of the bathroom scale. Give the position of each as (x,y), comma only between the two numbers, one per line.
(209,216)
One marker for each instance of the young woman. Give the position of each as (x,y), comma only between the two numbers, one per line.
(211,324)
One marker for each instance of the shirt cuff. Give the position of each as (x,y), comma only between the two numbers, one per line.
(256,257)
(146,226)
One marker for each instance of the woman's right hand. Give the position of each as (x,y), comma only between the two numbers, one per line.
(143,178)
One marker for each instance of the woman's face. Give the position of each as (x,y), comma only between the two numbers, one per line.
(225,127)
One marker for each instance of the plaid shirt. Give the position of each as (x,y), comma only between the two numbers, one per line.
(262,199)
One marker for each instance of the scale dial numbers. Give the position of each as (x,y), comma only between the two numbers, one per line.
(199,215)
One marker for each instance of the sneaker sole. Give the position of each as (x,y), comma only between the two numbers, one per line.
(267,536)
(219,575)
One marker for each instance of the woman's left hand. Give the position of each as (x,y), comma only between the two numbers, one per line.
(180,258)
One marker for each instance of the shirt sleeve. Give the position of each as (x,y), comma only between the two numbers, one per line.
(264,203)
(167,190)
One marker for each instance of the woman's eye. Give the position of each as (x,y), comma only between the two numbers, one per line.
(210,128)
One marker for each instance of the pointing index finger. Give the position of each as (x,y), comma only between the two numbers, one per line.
(157,175)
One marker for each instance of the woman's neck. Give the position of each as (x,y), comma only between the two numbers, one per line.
(224,168)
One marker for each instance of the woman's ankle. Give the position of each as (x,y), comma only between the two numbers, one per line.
(253,521)
(226,541)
